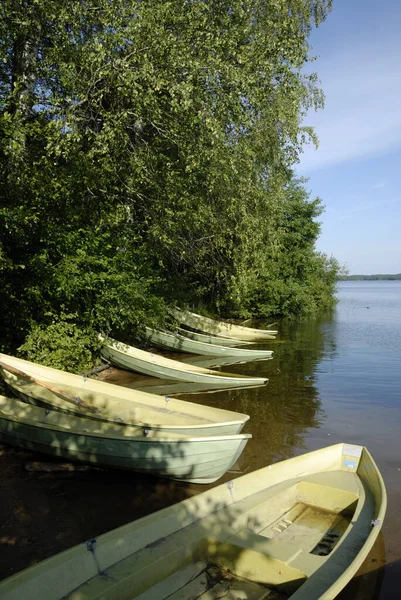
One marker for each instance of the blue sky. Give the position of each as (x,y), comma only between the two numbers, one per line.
(356,170)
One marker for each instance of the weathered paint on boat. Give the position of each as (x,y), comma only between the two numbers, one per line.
(129,357)
(217,328)
(116,403)
(298,529)
(183,457)
(180,343)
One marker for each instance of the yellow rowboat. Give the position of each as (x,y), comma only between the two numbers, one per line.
(297,529)
(83,396)
(181,343)
(134,359)
(175,456)
(221,328)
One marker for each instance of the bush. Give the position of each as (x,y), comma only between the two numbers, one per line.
(62,345)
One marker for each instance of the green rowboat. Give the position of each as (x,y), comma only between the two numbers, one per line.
(183,457)
(181,343)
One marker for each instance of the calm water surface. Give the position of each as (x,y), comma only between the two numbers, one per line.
(332,379)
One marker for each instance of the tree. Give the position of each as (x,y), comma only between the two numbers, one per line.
(145,156)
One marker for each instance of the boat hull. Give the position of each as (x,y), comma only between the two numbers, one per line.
(195,460)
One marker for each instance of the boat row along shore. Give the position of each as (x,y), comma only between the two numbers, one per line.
(298,529)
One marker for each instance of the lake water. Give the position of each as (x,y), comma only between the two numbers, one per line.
(334,378)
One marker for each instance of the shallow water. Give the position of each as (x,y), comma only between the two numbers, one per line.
(333,378)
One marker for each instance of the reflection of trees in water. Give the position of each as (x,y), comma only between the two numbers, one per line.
(282,411)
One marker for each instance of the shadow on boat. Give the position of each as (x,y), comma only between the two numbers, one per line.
(368,581)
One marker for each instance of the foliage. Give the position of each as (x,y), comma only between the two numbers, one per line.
(145,160)
(287,276)
(62,345)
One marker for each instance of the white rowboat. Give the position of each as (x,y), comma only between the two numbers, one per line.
(129,357)
(175,456)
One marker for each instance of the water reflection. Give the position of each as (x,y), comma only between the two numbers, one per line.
(284,410)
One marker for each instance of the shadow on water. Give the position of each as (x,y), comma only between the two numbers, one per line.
(43,513)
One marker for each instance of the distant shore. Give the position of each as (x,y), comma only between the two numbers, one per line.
(369,277)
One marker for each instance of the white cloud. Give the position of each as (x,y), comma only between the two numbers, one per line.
(362,116)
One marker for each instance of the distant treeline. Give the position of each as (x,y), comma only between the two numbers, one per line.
(369,277)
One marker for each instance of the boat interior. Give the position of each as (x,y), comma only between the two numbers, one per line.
(279,543)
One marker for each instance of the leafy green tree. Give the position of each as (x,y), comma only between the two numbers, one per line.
(145,160)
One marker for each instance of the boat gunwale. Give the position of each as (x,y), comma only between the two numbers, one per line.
(175,438)
(206,375)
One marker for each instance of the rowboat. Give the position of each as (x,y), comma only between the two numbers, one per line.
(212,362)
(175,456)
(218,328)
(134,359)
(297,529)
(181,343)
(81,395)
(166,387)
(209,338)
